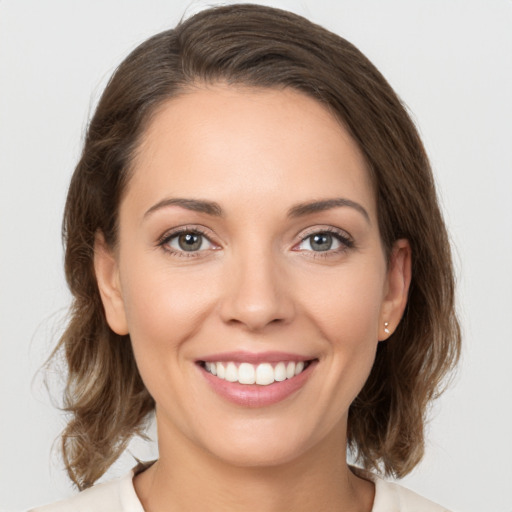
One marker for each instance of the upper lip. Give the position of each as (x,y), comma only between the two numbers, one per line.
(255,358)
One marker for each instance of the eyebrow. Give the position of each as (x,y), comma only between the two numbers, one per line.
(327,204)
(196,205)
(299,210)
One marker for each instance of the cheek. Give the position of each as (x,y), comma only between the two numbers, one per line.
(164,308)
(346,303)
(346,310)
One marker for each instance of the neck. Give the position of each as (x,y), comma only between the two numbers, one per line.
(193,480)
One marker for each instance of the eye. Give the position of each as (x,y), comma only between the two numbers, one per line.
(186,241)
(325,241)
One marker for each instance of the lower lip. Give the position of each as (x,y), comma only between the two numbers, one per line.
(254,395)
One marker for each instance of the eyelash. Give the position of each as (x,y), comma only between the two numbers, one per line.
(342,237)
(167,237)
(345,241)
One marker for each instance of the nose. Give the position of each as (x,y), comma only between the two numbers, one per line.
(257,292)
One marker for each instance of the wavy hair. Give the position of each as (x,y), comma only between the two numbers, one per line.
(259,47)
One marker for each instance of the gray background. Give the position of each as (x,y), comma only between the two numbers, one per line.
(449,60)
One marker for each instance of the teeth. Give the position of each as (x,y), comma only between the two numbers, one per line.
(262,374)
(246,373)
(231,373)
(280,372)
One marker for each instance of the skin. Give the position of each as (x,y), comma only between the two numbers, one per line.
(256,284)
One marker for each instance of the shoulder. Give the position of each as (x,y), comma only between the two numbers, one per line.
(113,496)
(392,497)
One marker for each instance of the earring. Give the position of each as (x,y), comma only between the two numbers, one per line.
(386,330)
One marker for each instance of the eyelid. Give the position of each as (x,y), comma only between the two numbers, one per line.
(163,241)
(344,238)
(344,235)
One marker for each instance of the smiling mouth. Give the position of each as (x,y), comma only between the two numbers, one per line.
(262,374)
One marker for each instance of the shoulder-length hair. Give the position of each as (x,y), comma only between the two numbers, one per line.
(268,48)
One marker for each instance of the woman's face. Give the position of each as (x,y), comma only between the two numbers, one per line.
(249,247)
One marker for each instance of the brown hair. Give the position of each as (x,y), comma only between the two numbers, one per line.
(262,47)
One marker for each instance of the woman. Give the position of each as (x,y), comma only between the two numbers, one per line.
(256,253)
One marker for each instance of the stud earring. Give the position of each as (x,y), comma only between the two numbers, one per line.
(386,330)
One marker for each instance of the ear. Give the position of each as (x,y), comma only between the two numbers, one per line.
(107,276)
(397,289)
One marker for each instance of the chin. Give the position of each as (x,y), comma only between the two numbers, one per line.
(263,445)
(270,455)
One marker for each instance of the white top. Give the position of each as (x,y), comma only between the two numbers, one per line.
(119,496)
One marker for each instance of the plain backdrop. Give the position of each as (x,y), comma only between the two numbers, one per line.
(449,60)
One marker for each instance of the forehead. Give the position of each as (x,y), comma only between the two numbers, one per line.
(225,142)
